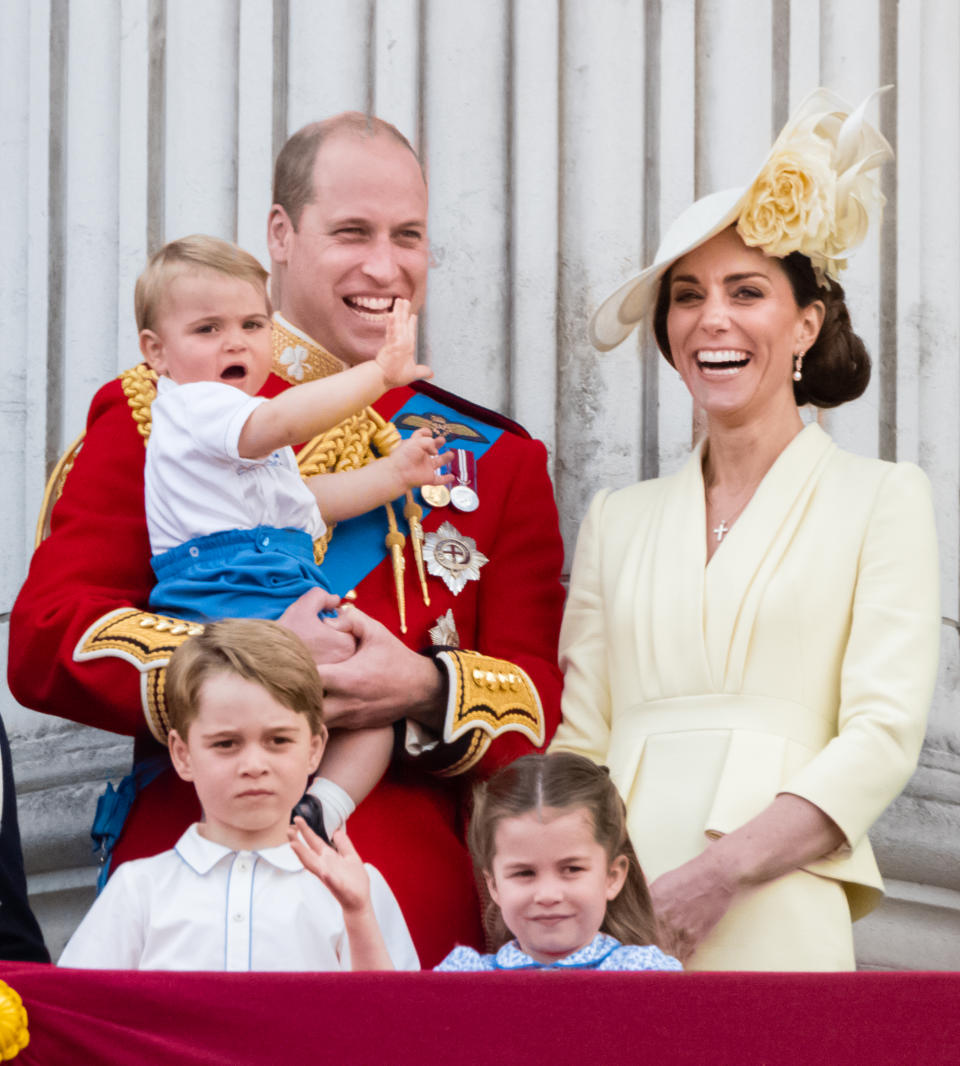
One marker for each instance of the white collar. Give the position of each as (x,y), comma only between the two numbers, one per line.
(201,855)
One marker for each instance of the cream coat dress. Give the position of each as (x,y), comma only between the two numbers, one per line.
(801,659)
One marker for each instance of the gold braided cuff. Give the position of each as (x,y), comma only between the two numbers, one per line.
(487,698)
(146,641)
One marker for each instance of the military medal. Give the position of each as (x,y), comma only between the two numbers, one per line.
(452,556)
(444,633)
(435,495)
(463,495)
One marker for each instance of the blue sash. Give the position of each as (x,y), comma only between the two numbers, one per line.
(357,547)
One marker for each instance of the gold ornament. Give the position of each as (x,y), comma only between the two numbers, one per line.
(14,1034)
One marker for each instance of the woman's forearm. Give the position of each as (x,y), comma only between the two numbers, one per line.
(790,833)
(690,900)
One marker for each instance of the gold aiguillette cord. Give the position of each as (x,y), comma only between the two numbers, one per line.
(395,541)
(413,513)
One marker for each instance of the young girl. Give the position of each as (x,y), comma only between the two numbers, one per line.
(549,836)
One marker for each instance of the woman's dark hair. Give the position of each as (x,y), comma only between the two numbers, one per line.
(836,368)
(563,781)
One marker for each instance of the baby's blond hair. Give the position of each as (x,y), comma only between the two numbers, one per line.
(186,255)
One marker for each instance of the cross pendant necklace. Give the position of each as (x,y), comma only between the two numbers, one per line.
(721,530)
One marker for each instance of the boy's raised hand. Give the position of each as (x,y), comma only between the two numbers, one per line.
(417,459)
(340,868)
(396,359)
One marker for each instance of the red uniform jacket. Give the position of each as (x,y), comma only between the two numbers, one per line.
(70,656)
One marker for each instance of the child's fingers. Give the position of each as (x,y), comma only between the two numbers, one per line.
(310,859)
(311,839)
(344,844)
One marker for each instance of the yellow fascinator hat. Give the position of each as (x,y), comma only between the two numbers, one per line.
(817,192)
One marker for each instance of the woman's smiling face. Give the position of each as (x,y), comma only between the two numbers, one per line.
(734,325)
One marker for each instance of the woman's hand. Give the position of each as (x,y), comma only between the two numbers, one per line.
(690,900)
(688,903)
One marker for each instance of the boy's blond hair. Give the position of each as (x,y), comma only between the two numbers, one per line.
(255,649)
(190,254)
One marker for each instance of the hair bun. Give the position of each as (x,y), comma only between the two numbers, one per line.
(837,367)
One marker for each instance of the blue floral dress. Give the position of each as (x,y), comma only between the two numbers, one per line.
(602,953)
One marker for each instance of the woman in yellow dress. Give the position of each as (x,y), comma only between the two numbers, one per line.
(751,644)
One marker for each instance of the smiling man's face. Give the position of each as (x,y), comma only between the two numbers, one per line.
(360,244)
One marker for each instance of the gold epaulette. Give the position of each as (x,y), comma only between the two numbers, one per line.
(146,641)
(487,698)
(139,385)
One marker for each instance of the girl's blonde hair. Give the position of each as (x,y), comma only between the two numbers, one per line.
(565,782)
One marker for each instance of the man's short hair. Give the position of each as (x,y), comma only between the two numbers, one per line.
(255,649)
(293,186)
(197,252)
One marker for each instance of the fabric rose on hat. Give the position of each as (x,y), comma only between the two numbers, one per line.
(791,206)
(818,191)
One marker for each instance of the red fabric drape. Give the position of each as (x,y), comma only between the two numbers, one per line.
(82,1018)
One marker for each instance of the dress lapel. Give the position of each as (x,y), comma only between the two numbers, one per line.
(743,564)
(669,574)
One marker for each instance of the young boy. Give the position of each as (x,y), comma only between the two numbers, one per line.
(240,890)
(231,522)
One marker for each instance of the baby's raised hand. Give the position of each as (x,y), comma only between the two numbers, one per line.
(417,459)
(396,358)
(340,868)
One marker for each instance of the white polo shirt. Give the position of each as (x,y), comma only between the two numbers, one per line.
(201,906)
(195,482)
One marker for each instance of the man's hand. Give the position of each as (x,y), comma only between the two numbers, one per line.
(397,358)
(382,682)
(325,642)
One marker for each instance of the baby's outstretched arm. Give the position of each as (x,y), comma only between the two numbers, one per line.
(354,761)
(300,413)
(415,461)
(341,869)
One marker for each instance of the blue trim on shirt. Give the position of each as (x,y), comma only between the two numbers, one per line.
(253,874)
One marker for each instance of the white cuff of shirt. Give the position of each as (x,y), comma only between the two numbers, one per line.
(418,739)
(337,805)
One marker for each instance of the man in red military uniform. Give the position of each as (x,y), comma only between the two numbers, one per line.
(347,235)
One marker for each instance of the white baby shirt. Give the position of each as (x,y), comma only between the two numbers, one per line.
(195,482)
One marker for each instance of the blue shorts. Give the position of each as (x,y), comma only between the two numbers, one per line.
(242,573)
